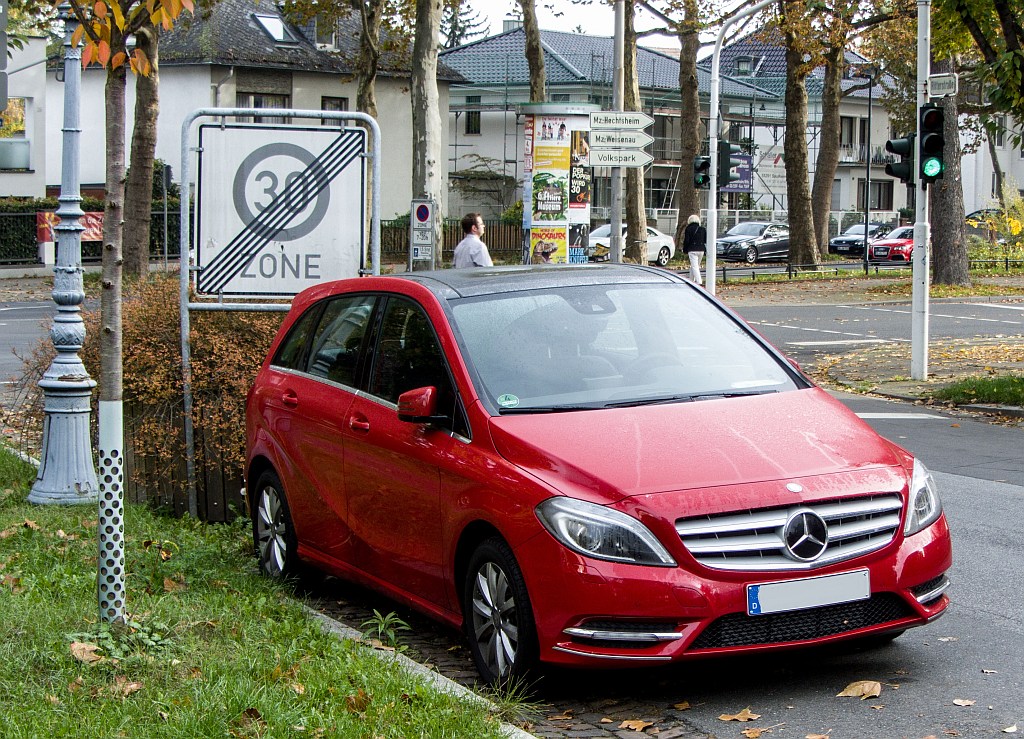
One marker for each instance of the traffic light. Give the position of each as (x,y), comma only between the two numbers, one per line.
(727,161)
(904,169)
(702,172)
(933,143)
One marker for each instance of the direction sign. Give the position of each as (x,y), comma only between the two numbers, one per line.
(942,85)
(619,139)
(619,119)
(619,158)
(280,208)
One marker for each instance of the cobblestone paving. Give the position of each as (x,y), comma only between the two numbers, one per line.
(585,704)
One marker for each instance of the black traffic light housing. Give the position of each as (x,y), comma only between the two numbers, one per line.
(702,172)
(904,148)
(932,147)
(727,161)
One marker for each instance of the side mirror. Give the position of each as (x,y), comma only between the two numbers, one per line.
(419,406)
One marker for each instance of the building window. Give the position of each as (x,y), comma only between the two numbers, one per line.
(744,66)
(472,116)
(325,36)
(333,104)
(881,194)
(847,131)
(14,147)
(263,100)
(1000,131)
(560,97)
(275,28)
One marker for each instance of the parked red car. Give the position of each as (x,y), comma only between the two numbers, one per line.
(897,246)
(583,465)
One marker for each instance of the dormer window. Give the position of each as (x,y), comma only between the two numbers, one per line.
(744,66)
(325,35)
(276,29)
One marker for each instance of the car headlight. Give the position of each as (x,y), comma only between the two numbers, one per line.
(602,533)
(925,506)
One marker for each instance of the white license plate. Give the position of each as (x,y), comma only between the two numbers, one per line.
(808,592)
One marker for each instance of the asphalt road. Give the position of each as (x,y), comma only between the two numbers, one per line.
(21,325)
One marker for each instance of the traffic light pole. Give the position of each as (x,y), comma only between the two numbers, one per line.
(922,231)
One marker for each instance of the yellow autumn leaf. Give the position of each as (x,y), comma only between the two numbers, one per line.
(817,736)
(682,706)
(744,715)
(636,724)
(862,689)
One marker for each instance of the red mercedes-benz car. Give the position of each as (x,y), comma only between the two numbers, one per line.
(897,246)
(582,465)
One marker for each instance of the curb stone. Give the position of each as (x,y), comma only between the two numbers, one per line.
(437,680)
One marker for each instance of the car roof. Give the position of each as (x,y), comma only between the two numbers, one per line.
(460,283)
(763,223)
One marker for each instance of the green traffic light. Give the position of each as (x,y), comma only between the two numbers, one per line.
(931,167)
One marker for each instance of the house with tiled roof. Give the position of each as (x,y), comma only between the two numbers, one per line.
(487,122)
(245,53)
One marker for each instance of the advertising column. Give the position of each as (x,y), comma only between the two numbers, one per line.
(557,185)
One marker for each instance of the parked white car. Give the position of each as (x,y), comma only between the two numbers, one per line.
(660,248)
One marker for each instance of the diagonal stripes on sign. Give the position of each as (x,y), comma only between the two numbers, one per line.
(259,232)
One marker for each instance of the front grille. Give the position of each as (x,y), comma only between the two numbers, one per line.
(753,540)
(741,630)
(651,626)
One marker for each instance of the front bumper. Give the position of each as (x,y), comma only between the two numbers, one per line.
(592,612)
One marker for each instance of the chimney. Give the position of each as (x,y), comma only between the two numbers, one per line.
(511,24)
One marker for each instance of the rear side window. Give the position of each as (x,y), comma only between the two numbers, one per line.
(292,352)
(339,338)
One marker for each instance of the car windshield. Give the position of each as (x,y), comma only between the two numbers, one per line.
(902,233)
(852,230)
(746,229)
(601,346)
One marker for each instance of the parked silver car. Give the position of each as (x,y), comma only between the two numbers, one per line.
(660,247)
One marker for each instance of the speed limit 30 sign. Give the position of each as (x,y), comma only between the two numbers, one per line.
(280,208)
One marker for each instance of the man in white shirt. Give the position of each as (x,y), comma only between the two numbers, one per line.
(471,251)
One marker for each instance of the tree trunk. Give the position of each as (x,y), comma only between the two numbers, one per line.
(948,230)
(371,14)
(534,52)
(803,249)
(427,160)
(828,153)
(113,222)
(691,132)
(636,216)
(138,204)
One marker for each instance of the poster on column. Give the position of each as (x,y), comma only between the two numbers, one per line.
(549,244)
(559,187)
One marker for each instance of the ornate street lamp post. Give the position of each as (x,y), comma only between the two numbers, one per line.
(66,472)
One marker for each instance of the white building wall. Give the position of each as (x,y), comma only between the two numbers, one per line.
(26,70)
(978,173)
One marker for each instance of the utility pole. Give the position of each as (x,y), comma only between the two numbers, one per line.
(66,472)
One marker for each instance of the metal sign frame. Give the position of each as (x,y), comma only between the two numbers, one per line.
(187,254)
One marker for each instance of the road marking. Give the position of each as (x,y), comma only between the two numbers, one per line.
(899,416)
(941,315)
(998,305)
(864,338)
(840,342)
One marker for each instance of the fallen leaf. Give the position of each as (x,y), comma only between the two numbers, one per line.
(14,583)
(172,585)
(1010,729)
(84,652)
(299,688)
(565,715)
(53,699)
(357,703)
(75,684)
(636,724)
(988,672)
(878,707)
(963,702)
(123,687)
(682,706)
(752,733)
(954,425)
(31,525)
(744,715)
(862,689)
(817,736)
(606,720)
(249,723)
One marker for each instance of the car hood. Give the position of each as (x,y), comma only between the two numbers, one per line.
(607,455)
(852,239)
(739,239)
(893,242)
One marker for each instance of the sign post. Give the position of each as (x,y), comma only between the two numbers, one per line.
(421,232)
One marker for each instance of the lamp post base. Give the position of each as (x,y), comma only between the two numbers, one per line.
(70,478)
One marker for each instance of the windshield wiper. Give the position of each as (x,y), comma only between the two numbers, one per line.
(549,409)
(687,397)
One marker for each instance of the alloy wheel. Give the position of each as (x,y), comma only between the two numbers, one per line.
(271,531)
(495,621)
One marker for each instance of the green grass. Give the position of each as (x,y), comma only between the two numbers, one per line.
(1008,390)
(211,649)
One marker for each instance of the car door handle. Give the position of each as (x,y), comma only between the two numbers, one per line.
(290,399)
(358,425)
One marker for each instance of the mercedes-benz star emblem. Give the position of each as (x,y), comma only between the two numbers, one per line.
(805,535)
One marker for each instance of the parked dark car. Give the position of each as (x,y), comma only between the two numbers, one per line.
(499,448)
(754,241)
(897,246)
(850,243)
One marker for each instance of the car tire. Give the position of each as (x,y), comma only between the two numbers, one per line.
(497,614)
(273,532)
(663,256)
(750,255)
